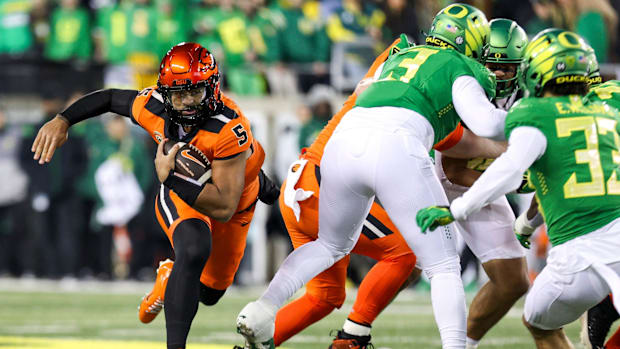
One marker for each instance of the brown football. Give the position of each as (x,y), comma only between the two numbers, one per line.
(190,163)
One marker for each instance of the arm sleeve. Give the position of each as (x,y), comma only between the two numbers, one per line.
(99,102)
(475,109)
(505,174)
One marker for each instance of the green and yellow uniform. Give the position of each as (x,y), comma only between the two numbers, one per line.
(608,92)
(420,78)
(576,179)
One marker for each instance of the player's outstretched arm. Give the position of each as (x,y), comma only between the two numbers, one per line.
(51,136)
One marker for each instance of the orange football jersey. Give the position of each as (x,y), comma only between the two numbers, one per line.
(220,137)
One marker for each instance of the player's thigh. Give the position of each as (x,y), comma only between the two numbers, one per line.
(405,191)
(380,239)
(170,210)
(306,228)
(558,299)
(489,234)
(228,245)
(346,193)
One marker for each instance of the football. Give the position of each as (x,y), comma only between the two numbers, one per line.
(190,163)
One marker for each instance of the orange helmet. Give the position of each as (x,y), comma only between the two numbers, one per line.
(189,66)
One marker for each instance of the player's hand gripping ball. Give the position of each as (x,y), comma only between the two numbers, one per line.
(190,163)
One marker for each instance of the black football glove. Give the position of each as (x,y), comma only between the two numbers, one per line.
(268,191)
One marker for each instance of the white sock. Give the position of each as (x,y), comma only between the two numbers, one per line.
(299,267)
(355,329)
(471,343)
(448,299)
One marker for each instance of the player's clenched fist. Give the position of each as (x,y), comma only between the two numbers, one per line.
(51,136)
(164,163)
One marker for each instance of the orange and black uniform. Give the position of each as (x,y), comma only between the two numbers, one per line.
(220,137)
(207,252)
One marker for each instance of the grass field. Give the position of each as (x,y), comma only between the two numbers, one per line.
(92,315)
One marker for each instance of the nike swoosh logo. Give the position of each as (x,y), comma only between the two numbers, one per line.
(244,224)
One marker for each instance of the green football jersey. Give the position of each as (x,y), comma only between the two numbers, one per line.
(576,179)
(420,78)
(608,92)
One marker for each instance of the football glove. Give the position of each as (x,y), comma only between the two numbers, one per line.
(523,230)
(268,191)
(432,217)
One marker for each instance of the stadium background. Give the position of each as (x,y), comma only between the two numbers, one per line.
(288,63)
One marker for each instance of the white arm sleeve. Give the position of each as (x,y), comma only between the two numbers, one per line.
(474,108)
(505,174)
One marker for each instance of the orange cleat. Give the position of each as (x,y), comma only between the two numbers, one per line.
(153,302)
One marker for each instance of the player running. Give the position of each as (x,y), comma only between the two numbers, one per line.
(207,225)
(488,233)
(571,150)
(395,123)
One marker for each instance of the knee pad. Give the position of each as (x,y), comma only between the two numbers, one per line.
(192,242)
(335,252)
(210,296)
(451,265)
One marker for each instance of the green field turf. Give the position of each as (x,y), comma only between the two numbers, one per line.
(105,316)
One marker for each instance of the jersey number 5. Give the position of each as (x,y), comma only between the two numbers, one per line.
(591,155)
(241,134)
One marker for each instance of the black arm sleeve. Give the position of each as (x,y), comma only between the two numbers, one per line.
(99,102)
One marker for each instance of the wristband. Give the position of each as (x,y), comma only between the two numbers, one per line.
(186,190)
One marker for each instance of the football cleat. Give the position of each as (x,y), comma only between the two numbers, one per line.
(344,340)
(267,345)
(256,323)
(598,321)
(153,302)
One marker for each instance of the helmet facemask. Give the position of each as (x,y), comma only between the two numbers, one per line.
(189,83)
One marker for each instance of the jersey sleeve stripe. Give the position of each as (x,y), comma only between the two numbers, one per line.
(222,118)
(213,125)
(154,106)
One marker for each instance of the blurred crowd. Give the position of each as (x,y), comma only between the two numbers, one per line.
(89,212)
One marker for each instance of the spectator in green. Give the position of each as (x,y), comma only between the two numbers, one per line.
(115,159)
(315,115)
(15,34)
(111,33)
(172,25)
(69,33)
(355,19)
(304,41)
(142,49)
(204,22)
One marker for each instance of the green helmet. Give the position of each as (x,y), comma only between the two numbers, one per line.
(463,27)
(553,55)
(594,74)
(507,42)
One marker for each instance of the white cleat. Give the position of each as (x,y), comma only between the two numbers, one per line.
(256,322)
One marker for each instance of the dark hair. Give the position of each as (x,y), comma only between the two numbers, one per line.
(575,88)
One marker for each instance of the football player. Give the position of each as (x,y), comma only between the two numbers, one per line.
(570,148)
(394,124)
(379,240)
(206,224)
(488,233)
